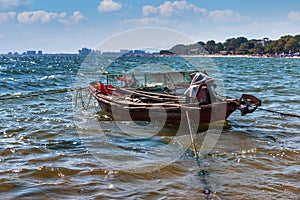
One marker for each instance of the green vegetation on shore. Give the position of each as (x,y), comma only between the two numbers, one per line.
(288,45)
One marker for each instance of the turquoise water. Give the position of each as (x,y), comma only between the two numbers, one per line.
(46,153)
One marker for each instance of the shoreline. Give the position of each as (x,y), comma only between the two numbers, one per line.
(237,56)
(169,55)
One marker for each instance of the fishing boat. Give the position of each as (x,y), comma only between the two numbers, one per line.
(165,102)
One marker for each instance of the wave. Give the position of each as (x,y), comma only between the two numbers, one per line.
(47,77)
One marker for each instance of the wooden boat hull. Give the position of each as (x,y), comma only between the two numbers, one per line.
(168,112)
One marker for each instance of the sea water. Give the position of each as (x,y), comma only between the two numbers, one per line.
(47,153)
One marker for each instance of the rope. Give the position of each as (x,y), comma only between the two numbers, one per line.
(38,93)
(191,135)
(280,113)
(202,173)
(78,95)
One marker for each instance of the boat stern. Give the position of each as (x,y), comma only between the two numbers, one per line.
(248,104)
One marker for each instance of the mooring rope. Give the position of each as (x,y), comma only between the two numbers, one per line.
(38,93)
(280,113)
(202,173)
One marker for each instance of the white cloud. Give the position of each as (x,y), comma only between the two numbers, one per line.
(109,6)
(184,11)
(183,14)
(222,16)
(7,16)
(294,15)
(146,21)
(75,18)
(7,4)
(46,17)
(35,16)
(169,8)
(149,10)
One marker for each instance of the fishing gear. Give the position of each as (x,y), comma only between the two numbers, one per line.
(79,95)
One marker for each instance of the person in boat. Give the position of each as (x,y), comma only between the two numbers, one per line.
(199,89)
(105,89)
(133,82)
(101,88)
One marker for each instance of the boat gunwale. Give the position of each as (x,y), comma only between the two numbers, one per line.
(113,100)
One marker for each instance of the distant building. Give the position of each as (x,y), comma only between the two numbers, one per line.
(139,52)
(40,53)
(123,51)
(111,53)
(265,41)
(223,52)
(31,53)
(97,52)
(84,51)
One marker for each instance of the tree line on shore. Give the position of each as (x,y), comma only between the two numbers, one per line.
(285,45)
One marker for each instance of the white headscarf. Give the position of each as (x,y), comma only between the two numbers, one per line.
(199,80)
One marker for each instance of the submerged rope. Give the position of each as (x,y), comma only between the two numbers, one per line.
(202,173)
(38,93)
(280,113)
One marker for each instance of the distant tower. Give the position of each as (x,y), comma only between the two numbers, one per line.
(84,51)
(265,41)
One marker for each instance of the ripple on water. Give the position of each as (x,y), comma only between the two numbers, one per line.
(42,156)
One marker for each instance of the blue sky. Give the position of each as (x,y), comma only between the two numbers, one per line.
(68,25)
